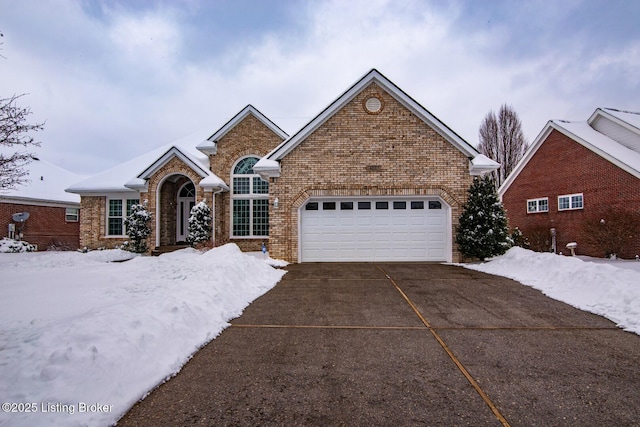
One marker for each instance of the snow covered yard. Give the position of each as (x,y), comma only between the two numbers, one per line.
(83,338)
(610,288)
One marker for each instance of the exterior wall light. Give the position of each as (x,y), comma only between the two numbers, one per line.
(276,202)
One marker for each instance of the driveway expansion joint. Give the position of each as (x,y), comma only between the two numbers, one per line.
(446,348)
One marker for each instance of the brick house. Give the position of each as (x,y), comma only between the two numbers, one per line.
(576,178)
(53,214)
(375,176)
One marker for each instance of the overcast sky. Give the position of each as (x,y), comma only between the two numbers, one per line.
(114,79)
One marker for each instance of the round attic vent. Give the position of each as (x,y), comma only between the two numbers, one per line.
(373,105)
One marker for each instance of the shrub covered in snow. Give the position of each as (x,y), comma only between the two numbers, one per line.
(13,246)
(138,229)
(200,224)
(483,231)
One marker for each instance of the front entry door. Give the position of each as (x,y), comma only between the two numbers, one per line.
(186,201)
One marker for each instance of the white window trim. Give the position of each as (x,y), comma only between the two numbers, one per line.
(538,200)
(124,214)
(571,197)
(247,196)
(72,213)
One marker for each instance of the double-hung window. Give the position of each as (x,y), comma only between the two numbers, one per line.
(117,211)
(538,205)
(249,201)
(570,202)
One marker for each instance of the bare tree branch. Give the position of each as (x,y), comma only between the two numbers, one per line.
(502,139)
(15,131)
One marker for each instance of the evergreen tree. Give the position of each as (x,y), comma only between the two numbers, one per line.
(200,220)
(138,229)
(483,230)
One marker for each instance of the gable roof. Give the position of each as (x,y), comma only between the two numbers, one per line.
(209,145)
(269,166)
(601,141)
(45,185)
(133,174)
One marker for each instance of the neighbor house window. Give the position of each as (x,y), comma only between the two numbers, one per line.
(71,214)
(250,201)
(538,205)
(570,202)
(117,211)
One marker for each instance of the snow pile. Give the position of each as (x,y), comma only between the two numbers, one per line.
(600,288)
(83,338)
(13,246)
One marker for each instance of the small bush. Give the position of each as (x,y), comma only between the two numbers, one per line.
(612,232)
(14,246)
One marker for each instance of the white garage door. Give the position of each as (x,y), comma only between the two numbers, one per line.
(374,230)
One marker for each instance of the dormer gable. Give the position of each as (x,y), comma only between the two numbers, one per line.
(621,126)
(210,145)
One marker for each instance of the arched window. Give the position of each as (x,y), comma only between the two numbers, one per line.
(188,190)
(250,201)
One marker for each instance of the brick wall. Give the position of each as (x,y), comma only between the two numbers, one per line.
(93,226)
(249,137)
(562,166)
(45,227)
(354,152)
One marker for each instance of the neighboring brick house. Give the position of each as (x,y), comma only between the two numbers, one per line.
(575,176)
(53,214)
(374,176)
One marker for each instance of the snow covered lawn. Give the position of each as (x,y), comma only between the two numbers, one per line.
(83,338)
(610,288)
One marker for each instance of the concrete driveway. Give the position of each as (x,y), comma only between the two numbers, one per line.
(405,344)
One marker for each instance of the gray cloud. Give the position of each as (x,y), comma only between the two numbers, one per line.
(114,80)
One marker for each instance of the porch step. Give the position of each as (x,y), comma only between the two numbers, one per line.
(159,250)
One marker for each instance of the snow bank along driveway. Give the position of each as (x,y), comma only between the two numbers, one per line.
(607,288)
(82,339)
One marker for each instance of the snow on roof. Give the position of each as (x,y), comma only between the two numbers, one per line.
(583,133)
(120,177)
(630,117)
(46,183)
(601,144)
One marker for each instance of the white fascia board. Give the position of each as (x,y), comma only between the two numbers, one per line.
(601,112)
(373,76)
(38,202)
(267,168)
(171,153)
(209,146)
(481,164)
(213,182)
(101,192)
(138,184)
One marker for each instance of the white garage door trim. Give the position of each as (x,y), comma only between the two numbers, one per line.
(361,229)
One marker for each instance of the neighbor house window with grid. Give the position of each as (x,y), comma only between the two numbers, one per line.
(249,201)
(570,202)
(117,211)
(538,205)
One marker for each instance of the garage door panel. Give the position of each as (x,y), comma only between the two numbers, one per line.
(406,231)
